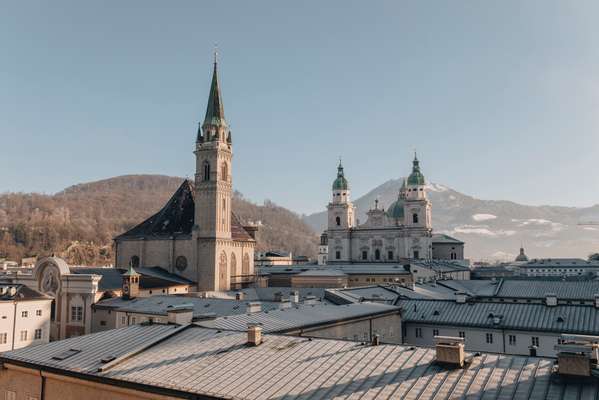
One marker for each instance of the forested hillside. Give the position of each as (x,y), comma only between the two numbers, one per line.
(80,222)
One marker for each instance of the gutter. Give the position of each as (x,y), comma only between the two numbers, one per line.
(14,326)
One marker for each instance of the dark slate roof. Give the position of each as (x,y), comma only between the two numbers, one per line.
(22,293)
(569,290)
(559,263)
(177,218)
(151,277)
(189,361)
(575,319)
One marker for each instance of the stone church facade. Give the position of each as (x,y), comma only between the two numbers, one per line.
(403,230)
(196,235)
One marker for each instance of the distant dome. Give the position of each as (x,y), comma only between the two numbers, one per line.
(521,256)
(395,210)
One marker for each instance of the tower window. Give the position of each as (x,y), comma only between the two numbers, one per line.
(390,254)
(337,255)
(377,254)
(206,171)
(364,255)
(224,172)
(416,254)
(415,218)
(338,221)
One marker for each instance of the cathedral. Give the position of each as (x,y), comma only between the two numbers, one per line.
(403,230)
(196,235)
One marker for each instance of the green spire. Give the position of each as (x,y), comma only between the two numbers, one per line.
(215,114)
(130,271)
(416,178)
(340,183)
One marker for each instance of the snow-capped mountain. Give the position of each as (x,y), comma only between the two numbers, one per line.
(495,229)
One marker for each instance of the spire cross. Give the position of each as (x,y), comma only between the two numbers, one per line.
(215,53)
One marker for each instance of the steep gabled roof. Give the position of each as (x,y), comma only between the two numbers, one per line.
(177,218)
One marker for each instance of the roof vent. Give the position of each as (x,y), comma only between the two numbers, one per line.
(450,350)
(254,307)
(551,299)
(254,335)
(239,296)
(460,297)
(294,296)
(376,340)
(278,296)
(577,355)
(596,302)
(285,303)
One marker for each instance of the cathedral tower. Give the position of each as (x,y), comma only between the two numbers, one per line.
(417,211)
(213,169)
(341,210)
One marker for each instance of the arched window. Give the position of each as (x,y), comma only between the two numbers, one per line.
(222,272)
(338,221)
(415,218)
(234,271)
(377,254)
(206,171)
(134,262)
(181,263)
(224,171)
(245,265)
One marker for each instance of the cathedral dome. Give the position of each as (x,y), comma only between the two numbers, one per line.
(395,210)
(340,183)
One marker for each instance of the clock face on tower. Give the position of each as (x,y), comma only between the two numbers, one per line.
(126,288)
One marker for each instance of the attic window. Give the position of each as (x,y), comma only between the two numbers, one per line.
(560,319)
(66,354)
(436,312)
(107,359)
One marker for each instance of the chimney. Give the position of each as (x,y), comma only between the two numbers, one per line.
(181,314)
(278,297)
(577,355)
(251,230)
(254,335)
(285,303)
(596,303)
(450,350)
(376,339)
(253,307)
(310,300)
(239,296)
(551,299)
(460,297)
(294,296)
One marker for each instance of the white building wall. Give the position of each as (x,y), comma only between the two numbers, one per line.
(13,322)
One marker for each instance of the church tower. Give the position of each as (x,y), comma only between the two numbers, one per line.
(341,210)
(417,211)
(213,169)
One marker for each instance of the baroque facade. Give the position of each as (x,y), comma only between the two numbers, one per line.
(403,230)
(196,235)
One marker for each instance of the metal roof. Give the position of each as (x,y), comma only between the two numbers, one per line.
(570,290)
(559,263)
(151,277)
(443,238)
(160,305)
(199,361)
(298,316)
(579,319)
(20,293)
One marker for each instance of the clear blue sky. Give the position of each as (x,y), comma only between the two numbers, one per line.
(501,99)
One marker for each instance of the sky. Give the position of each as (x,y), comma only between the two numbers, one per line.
(500,99)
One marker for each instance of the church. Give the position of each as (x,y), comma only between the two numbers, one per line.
(402,231)
(196,235)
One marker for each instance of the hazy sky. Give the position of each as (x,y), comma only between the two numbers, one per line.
(500,98)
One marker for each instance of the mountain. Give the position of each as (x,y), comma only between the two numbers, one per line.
(79,222)
(495,229)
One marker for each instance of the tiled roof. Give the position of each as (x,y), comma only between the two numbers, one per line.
(298,316)
(176,218)
(189,361)
(21,293)
(575,319)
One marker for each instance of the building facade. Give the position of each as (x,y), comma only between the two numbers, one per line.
(404,230)
(196,235)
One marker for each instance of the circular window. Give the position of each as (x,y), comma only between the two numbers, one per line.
(181,263)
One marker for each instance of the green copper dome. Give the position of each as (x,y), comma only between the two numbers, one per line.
(395,210)
(340,183)
(416,178)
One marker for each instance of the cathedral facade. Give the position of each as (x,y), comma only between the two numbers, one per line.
(403,230)
(196,235)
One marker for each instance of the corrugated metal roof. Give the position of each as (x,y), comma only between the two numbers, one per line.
(519,316)
(298,316)
(208,362)
(584,290)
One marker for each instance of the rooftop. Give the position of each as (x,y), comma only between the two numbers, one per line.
(151,277)
(18,292)
(179,361)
